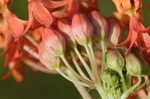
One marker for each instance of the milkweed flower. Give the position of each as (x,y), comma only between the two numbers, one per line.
(82,29)
(51,37)
(38,11)
(48,51)
(73,38)
(15,25)
(136,29)
(126,8)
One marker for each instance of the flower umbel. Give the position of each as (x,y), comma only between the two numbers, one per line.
(74,39)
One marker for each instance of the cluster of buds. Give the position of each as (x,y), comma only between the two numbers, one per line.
(72,38)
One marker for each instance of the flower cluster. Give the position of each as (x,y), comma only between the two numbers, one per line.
(72,38)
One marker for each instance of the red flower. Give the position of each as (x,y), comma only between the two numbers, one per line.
(136,29)
(15,25)
(124,5)
(38,12)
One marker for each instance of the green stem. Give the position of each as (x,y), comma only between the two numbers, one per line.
(84,63)
(82,90)
(68,65)
(131,90)
(104,49)
(100,91)
(123,81)
(77,66)
(143,84)
(70,79)
(95,67)
(91,60)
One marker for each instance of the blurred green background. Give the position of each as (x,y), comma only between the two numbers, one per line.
(44,86)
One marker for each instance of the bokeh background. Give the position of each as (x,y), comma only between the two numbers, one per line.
(41,85)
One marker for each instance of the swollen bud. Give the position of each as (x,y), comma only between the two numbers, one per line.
(53,41)
(114,60)
(51,46)
(133,65)
(82,29)
(65,27)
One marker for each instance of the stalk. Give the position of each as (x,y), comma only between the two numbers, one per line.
(82,90)
(68,65)
(67,77)
(131,90)
(84,63)
(95,67)
(77,66)
(123,81)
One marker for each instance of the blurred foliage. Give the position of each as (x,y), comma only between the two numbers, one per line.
(44,86)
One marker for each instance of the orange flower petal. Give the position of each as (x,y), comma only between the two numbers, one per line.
(15,25)
(40,13)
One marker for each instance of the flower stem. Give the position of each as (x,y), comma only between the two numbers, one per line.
(131,90)
(123,81)
(104,49)
(31,51)
(82,90)
(95,67)
(84,63)
(70,79)
(68,65)
(77,66)
(144,83)
(100,91)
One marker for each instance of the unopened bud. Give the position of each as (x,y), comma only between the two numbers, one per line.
(82,29)
(133,65)
(108,77)
(53,41)
(114,60)
(65,27)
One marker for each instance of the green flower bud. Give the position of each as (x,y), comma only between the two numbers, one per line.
(133,65)
(114,60)
(110,78)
